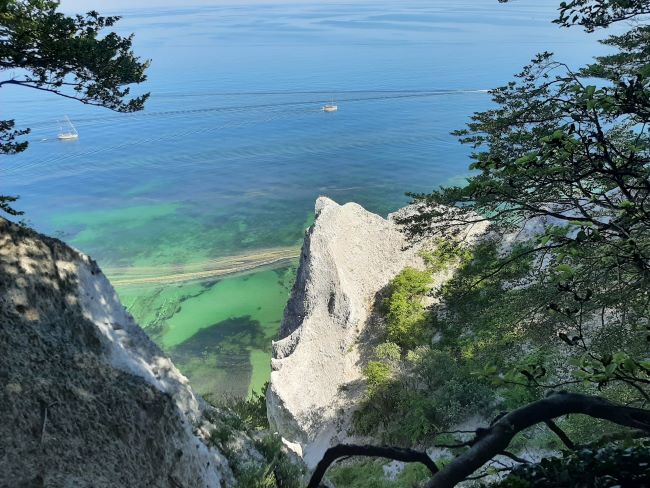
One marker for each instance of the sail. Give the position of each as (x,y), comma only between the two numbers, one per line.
(70,132)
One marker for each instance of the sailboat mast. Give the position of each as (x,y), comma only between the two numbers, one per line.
(74,129)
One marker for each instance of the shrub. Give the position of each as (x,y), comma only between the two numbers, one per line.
(406,317)
(279,471)
(378,375)
(389,351)
(435,391)
(445,253)
(243,413)
(370,474)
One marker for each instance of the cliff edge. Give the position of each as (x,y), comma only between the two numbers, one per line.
(87,400)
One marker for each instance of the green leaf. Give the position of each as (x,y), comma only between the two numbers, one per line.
(565,270)
(629,365)
(619,357)
(644,364)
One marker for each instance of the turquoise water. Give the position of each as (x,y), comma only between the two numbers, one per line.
(232,150)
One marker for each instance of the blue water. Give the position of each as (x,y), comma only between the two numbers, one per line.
(232,149)
(235,97)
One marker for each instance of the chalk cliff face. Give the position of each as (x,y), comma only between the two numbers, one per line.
(87,400)
(349,256)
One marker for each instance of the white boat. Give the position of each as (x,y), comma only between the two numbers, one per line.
(69,134)
(330,107)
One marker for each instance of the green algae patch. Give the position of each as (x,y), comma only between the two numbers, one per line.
(179,272)
(147,237)
(153,306)
(141,234)
(261,368)
(97,222)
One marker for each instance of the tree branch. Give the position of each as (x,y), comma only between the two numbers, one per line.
(553,427)
(496,438)
(514,457)
(343,450)
(51,90)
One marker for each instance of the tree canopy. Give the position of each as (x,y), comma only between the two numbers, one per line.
(567,151)
(69,56)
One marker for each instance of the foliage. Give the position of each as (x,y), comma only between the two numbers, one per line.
(431,386)
(244,413)
(46,50)
(377,375)
(408,403)
(389,351)
(252,410)
(493,352)
(567,159)
(234,418)
(277,471)
(445,252)
(594,14)
(481,308)
(406,320)
(562,162)
(611,466)
(370,473)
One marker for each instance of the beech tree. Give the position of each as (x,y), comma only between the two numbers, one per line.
(493,440)
(68,56)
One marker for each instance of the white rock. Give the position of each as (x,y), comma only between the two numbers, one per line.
(348,257)
(89,400)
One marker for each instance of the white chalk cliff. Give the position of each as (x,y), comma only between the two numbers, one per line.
(87,399)
(349,255)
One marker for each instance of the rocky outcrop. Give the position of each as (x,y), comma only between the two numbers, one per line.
(87,400)
(349,256)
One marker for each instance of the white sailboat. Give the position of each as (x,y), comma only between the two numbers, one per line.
(330,107)
(70,133)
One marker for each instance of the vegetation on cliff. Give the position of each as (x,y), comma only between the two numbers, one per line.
(256,455)
(568,151)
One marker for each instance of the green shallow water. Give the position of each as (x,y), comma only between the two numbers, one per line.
(210,329)
(217,330)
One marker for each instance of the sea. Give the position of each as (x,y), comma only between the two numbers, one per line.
(196,207)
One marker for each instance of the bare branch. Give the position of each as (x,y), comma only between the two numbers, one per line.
(495,439)
(553,427)
(344,450)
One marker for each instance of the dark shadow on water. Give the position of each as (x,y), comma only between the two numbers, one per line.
(217,359)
